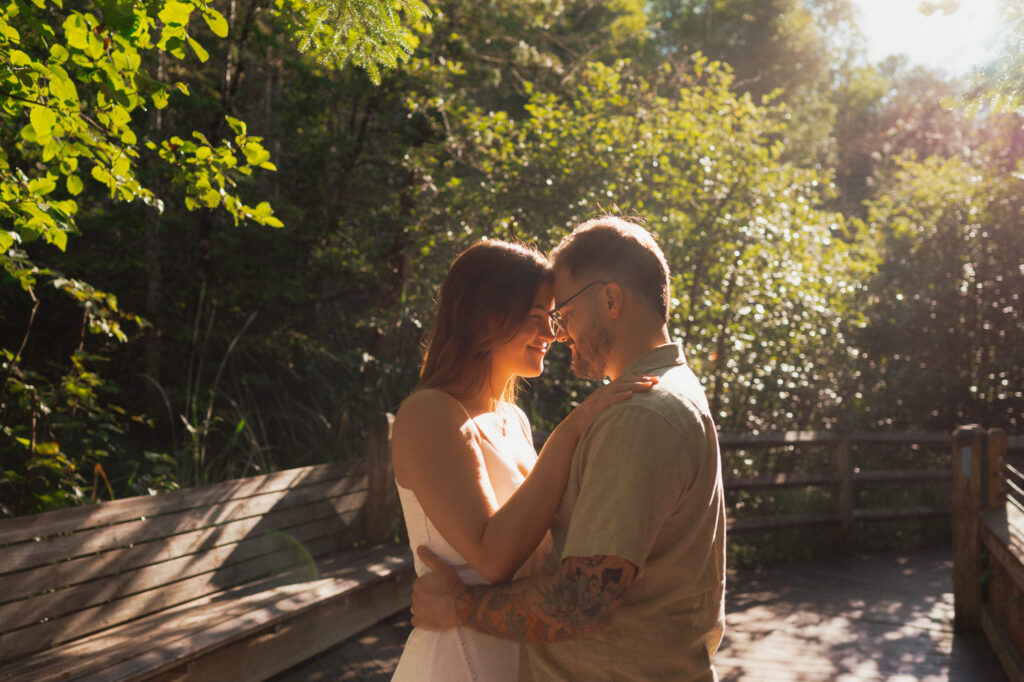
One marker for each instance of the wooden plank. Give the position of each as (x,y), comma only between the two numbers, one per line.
(903,476)
(781,522)
(743,441)
(968,462)
(1009,657)
(810,480)
(93,540)
(103,616)
(900,513)
(298,638)
(733,440)
(780,481)
(26,528)
(258,546)
(842,493)
(120,561)
(1002,532)
(883,617)
(936,438)
(381,491)
(163,641)
(994,492)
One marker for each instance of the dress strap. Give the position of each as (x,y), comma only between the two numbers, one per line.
(479,430)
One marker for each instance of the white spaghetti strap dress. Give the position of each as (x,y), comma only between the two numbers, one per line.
(460,654)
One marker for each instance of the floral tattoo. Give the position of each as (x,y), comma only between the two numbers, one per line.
(577,601)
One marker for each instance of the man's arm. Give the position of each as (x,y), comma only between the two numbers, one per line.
(577,601)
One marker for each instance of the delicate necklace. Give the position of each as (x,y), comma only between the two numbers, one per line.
(502,420)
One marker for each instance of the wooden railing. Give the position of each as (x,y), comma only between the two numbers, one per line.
(988,541)
(840,472)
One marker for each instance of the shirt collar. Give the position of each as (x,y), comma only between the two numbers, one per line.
(669,355)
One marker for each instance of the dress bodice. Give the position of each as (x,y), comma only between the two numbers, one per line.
(462,654)
(504,476)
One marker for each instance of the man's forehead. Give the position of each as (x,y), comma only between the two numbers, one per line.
(562,280)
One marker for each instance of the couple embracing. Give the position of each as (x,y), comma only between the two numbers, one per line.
(602,557)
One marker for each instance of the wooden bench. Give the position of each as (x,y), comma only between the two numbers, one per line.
(231,581)
(988,543)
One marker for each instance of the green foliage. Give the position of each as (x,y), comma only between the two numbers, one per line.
(62,426)
(762,279)
(368,33)
(75,83)
(819,214)
(942,346)
(72,81)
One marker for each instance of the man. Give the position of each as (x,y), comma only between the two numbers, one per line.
(635,584)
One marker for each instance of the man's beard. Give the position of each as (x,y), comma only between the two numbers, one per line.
(590,352)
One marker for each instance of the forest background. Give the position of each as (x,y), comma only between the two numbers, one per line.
(222,223)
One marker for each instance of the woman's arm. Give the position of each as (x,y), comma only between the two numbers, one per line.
(436,454)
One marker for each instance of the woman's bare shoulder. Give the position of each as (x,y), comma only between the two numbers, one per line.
(429,404)
(431,428)
(430,415)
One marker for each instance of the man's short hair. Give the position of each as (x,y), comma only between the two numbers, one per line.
(609,247)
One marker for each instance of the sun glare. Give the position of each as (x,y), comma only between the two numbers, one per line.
(957,36)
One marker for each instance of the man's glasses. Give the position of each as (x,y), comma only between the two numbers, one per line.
(557,319)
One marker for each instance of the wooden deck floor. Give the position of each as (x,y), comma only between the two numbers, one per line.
(883,617)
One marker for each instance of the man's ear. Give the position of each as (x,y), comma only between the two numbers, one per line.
(612,300)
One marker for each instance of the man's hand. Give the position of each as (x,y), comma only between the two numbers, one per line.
(434,594)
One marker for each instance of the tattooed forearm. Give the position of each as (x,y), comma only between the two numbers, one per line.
(577,601)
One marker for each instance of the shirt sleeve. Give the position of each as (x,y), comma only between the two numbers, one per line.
(632,469)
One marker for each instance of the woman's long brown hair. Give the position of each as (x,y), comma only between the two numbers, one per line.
(483,301)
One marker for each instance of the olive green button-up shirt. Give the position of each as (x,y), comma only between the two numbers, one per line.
(646,485)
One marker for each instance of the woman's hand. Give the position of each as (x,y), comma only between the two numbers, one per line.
(616,391)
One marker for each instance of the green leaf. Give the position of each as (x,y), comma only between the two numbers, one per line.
(210,198)
(255,154)
(100,174)
(58,54)
(74,184)
(61,86)
(175,13)
(42,186)
(58,238)
(215,20)
(19,58)
(159,98)
(198,49)
(76,32)
(6,240)
(9,32)
(42,122)
(236,125)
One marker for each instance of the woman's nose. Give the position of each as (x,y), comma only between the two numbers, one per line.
(546,332)
(559,334)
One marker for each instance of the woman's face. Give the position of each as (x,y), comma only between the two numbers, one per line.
(523,354)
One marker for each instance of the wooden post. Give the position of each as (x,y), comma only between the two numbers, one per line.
(842,492)
(968,483)
(380,484)
(996,495)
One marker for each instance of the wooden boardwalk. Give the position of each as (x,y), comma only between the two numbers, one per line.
(881,617)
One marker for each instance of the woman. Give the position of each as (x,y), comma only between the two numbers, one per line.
(472,487)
